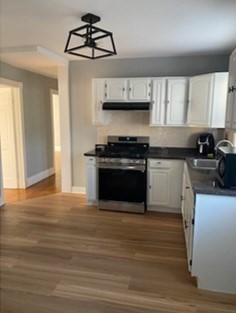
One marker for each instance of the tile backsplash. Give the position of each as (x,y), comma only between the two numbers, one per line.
(132,123)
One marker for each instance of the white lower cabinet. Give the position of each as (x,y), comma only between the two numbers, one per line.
(91,182)
(209,223)
(164,185)
(187,209)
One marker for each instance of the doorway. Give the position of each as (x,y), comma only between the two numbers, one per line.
(12,147)
(55,108)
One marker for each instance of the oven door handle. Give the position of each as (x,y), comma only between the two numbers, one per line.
(140,168)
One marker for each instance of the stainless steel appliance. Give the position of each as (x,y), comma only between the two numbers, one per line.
(226,175)
(122,172)
(205,144)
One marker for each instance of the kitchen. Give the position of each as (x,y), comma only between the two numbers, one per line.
(100,183)
(85,135)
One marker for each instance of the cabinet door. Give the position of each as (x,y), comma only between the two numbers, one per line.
(139,89)
(200,100)
(116,89)
(233,75)
(188,223)
(177,98)
(157,116)
(175,185)
(230,103)
(159,187)
(99,116)
(91,183)
(188,214)
(234,106)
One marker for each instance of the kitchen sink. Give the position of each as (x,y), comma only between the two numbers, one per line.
(203,164)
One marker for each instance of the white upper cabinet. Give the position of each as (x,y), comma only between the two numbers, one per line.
(116,89)
(157,116)
(140,89)
(130,89)
(207,100)
(169,101)
(99,116)
(230,121)
(177,97)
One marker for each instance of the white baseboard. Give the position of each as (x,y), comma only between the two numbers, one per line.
(163,209)
(40,176)
(79,190)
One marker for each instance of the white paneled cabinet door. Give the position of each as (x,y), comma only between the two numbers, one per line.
(157,116)
(99,116)
(230,120)
(177,97)
(159,187)
(139,89)
(116,89)
(230,103)
(233,72)
(200,97)
(234,106)
(188,214)
(7,133)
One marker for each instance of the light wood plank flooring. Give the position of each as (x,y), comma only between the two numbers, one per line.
(47,186)
(60,256)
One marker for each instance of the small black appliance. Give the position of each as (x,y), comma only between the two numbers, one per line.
(226,171)
(205,144)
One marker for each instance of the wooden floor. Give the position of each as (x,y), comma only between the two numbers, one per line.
(47,186)
(60,256)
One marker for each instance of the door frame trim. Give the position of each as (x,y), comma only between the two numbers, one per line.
(17,88)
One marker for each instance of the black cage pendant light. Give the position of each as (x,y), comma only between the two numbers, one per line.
(89,41)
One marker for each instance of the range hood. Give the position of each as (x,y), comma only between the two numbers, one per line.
(127,106)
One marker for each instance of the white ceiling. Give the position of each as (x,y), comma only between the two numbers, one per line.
(140,28)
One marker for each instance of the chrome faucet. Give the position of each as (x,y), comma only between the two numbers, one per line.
(222,142)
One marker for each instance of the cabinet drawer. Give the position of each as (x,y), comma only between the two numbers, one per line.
(91,161)
(158,163)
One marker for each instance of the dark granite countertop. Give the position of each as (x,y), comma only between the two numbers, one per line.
(171,153)
(92,153)
(203,181)
(160,152)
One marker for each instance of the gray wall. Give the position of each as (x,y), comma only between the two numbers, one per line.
(37,116)
(81,72)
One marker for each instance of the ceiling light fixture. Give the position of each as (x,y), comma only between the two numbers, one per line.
(89,41)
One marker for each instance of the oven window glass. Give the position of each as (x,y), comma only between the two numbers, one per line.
(122,185)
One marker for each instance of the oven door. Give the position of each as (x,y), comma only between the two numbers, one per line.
(126,184)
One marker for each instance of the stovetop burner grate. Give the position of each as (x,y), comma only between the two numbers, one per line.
(125,152)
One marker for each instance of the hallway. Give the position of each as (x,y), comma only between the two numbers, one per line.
(45,187)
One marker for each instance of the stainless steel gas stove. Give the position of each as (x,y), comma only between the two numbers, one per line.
(123,174)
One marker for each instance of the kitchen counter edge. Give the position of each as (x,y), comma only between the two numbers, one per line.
(203,181)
